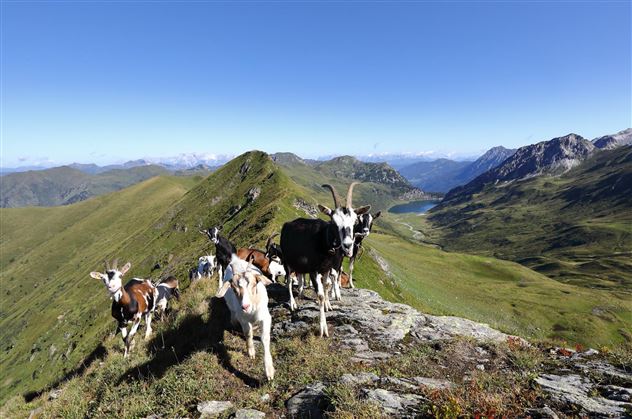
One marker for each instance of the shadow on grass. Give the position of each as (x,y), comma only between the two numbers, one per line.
(193,334)
(98,353)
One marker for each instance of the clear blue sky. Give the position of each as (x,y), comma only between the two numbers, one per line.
(109,81)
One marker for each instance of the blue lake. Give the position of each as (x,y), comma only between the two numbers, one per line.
(418,207)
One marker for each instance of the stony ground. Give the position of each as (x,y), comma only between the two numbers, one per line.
(576,383)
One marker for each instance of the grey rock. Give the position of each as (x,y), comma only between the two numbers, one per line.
(394,404)
(401,383)
(362,378)
(433,383)
(609,372)
(209,409)
(249,414)
(310,402)
(54,394)
(576,390)
(545,412)
(621,394)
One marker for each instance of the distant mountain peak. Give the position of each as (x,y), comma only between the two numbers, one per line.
(608,142)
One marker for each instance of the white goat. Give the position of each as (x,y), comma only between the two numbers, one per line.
(206,267)
(244,290)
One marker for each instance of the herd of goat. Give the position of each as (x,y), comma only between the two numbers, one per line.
(307,246)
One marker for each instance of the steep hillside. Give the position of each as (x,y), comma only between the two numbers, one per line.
(66,185)
(441,175)
(551,157)
(576,227)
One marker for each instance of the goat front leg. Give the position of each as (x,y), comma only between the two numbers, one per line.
(328,289)
(220,276)
(351,262)
(248,332)
(321,306)
(130,337)
(266,325)
(336,285)
(290,283)
(148,328)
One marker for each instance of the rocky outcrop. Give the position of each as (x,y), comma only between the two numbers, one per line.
(375,330)
(373,327)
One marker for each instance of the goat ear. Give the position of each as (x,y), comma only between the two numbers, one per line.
(203,232)
(125,268)
(223,289)
(377,214)
(362,210)
(97,275)
(219,228)
(263,279)
(325,210)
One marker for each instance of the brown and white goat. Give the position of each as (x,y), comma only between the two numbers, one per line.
(269,262)
(130,303)
(244,290)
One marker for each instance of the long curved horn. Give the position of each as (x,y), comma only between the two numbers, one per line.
(350,194)
(269,242)
(107,265)
(333,193)
(115,264)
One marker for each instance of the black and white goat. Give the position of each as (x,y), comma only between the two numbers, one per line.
(224,249)
(317,247)
(131,302)
(165,291)
(361,231)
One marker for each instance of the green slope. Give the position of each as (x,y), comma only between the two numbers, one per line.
(576,228)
